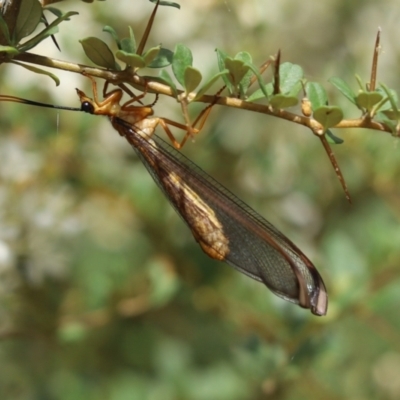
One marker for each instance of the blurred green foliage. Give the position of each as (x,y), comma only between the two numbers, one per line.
(104,294)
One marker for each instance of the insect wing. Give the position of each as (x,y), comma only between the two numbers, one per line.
(226,228)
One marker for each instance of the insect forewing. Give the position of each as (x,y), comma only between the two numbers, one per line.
(225,227)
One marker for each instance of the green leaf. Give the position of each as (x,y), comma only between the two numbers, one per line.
(133,60)
(167,3)
(28,19)
(360,82)
(192,79)
(328,116)
(38,71)
(260,81)
(150,55)
(131,45)
(59,14)
(11,51)
(283,101)
(4,29)
(316,94)
(55,11)
(209,83)
(244,83)
(98,52)
(392,97)
(163,59)
(30,44)
(290,76)
(63,17)
(389,114)
(389,118)
(368,100)
(181,60)
(389,98)
(294,92)
(49,30)
(257,95)
(132,39)
(127,46)
(344,88)
(110,30)
(332,138)
(221,56)
(166,78)
(237,70)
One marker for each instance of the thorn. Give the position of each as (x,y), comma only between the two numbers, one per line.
(335,166)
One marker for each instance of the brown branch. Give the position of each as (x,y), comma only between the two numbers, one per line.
(153,86)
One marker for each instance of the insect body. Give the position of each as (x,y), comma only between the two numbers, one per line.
(226,228)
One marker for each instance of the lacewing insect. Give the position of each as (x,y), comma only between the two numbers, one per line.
(226,228)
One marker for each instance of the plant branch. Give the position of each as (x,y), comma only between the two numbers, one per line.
(153,86)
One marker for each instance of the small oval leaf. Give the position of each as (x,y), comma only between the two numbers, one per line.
(163,59)
(181,60)
(289,76)
(246,80)
(28,19)
(328,116)
(150,55)
(257,95)
(316,94)
(221,56)
(98,52)
(132,40)
(192,79)
(368,100)
(237,70)
(282,101)
(127,46)
(133,60)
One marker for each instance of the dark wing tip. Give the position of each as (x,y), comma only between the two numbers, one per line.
(319,301)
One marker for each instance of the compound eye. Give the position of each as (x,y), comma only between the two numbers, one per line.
(87,107)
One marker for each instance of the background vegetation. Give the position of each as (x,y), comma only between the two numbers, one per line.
(105,295)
